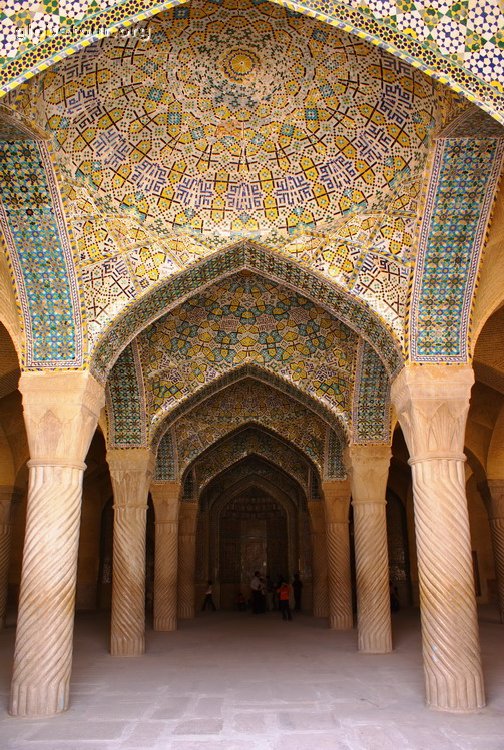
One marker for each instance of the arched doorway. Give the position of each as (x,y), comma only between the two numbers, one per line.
(253,516)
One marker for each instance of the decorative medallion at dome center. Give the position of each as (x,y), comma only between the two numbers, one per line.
(240,66)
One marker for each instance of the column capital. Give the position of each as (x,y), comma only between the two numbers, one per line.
(431,402)
(336,494)
(61,410)
(368,469)
(131,470)
(166,500)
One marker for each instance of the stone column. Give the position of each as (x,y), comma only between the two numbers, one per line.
(61,411)
(319,559)
(369,466)
(337,505)
(496,487)
(130,471)
(432,402)
(7,495)
(165,496)
(186,560)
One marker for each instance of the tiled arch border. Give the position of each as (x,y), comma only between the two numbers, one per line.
(348,19)
(244,256)
(236,431)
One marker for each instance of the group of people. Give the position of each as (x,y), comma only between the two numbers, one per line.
(267,596)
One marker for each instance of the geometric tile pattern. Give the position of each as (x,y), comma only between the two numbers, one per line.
(461,191)
(245,255)
(38,247)
(166,462)
(238,374)
(371,402)
(247,319)
(248,402)
(457,42)
(251,441)
(334,463)
(161,169)
(126,406)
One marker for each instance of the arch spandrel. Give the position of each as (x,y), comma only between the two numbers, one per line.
(459,48)
(251,257)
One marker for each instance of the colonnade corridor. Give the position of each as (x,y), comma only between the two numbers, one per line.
(235,681)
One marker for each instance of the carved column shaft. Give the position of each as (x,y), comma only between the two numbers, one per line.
(165,496)
(61,412)
(496,488)
(319,559)
(186,560)
(130,471)
(337,505)
(369,474)
(432,404)
(6,496)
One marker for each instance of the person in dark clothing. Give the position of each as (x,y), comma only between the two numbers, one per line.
(208,600)
(297,587)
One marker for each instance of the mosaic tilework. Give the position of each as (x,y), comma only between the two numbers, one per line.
(246,373)
(334,463)
(245,473)
(455,42)
(249,401)
(371,402)
(247,319)
(126,401)
(166,459)
(317,133)
(38,245)
(254,258)
(251,442)
(461,191)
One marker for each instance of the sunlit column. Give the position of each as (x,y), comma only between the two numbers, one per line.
(368,476)
(130,472)
(61,412)
(432,402)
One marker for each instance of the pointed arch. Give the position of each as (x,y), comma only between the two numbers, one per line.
(244,256)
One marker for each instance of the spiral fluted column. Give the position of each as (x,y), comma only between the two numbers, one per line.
(6,496)
(61,412)
(496,487)
(319,559)
(432,404)
(369,465)
(186,560)
(165,497)
(337,505)
(130,471)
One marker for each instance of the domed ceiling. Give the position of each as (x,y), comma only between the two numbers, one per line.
(239,120)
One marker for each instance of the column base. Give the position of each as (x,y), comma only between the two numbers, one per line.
(39,700)
(340,623)
(127,646)
(165,623)
(370,647)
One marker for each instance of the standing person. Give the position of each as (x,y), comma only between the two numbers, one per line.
(208,600)
(283,600)
(297,587)
(257,596)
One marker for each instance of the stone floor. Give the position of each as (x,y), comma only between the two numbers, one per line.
(235,681)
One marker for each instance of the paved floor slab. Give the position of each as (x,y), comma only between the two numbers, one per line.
(232,681)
